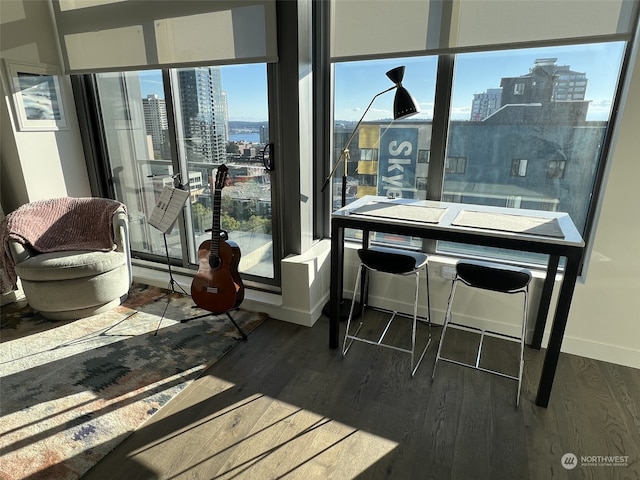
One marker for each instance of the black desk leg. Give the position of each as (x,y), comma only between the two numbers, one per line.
(545,301)
(557,330)
(335,286)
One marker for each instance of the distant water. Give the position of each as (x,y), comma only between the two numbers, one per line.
(245,137)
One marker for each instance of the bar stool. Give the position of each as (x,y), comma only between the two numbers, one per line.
(498,278)
(395,262)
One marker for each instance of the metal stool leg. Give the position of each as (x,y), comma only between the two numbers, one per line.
(415,320)
(359,274)
(522,341)
(447,317)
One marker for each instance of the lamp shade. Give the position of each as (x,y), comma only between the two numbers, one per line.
(404,104)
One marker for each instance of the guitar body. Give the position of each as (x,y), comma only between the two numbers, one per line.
(235,274)
(214,288)
(217,286)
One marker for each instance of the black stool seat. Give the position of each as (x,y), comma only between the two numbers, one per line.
(392,260)
(492,276)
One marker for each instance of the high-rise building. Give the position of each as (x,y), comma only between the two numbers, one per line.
(546,82)
(155,121)
(203,114)
(570,85)
(548,94)
(264,134)
(225,114)
(485,104)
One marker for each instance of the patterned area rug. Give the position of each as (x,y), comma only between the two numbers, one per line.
(73,390)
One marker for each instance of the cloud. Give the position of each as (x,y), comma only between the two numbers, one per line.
(599,109)
(155,82)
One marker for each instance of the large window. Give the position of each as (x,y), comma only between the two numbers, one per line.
(538,144)
(174,128)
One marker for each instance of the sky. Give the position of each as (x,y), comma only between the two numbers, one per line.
(246,87)
(358,82)
(474,73)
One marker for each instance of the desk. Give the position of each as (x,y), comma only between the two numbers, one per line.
(444,221)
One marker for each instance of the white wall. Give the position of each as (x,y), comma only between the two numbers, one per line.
(604,322)
(36,165)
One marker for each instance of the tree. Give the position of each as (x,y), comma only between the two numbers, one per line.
(228,223)
(202,217)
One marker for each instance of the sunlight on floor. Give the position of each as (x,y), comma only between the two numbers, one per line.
(262,437)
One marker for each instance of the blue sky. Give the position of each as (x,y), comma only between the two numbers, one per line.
(246,87)
(358,82)
(474,73)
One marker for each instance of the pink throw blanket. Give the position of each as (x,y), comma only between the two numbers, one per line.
(59,224)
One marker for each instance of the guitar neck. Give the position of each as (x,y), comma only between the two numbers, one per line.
(215,226)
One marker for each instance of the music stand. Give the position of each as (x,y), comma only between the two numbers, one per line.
(172,281)
(163,217)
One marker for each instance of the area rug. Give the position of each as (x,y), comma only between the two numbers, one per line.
(70,391)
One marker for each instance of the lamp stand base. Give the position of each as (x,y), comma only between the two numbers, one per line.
(343,310)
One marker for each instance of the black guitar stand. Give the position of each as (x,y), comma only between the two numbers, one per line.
(171,290)
(235,324)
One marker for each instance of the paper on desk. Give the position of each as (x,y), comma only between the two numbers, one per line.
(401,211)
(548,227)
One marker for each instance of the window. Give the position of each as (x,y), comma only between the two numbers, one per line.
(555,169)
(511,156)
(369,154)
(389,154)
(455,165)
(518,167)
(423,156)
(148,148)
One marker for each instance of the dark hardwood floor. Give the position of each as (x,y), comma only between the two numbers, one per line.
(283,405)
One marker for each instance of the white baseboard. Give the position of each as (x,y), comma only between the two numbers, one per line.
(272,305)
(254,300)
(599,351)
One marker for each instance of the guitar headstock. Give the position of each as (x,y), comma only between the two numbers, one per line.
(221,177)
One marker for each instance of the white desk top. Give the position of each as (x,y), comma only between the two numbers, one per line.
(539,225)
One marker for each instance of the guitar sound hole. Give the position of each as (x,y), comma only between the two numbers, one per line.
(214,262)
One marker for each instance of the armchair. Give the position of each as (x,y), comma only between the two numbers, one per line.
(72,255)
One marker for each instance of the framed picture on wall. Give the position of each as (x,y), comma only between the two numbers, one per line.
(36,96)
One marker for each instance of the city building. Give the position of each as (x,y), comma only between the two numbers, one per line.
(548,94)
(155,122)
(485,104)
(202,111)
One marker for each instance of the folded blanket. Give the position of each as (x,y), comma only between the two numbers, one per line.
(55,225)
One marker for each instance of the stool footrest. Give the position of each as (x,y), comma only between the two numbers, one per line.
(482,369)
(398,314)
(483,333)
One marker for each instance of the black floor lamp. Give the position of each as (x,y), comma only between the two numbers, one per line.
(403,106)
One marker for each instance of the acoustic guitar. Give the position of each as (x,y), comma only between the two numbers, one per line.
(217,286)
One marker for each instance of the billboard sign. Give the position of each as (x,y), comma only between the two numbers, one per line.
(397,163)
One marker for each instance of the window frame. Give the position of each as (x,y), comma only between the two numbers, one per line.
(93,135)
(441,120)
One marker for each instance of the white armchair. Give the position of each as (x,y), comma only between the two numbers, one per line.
(66,282)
